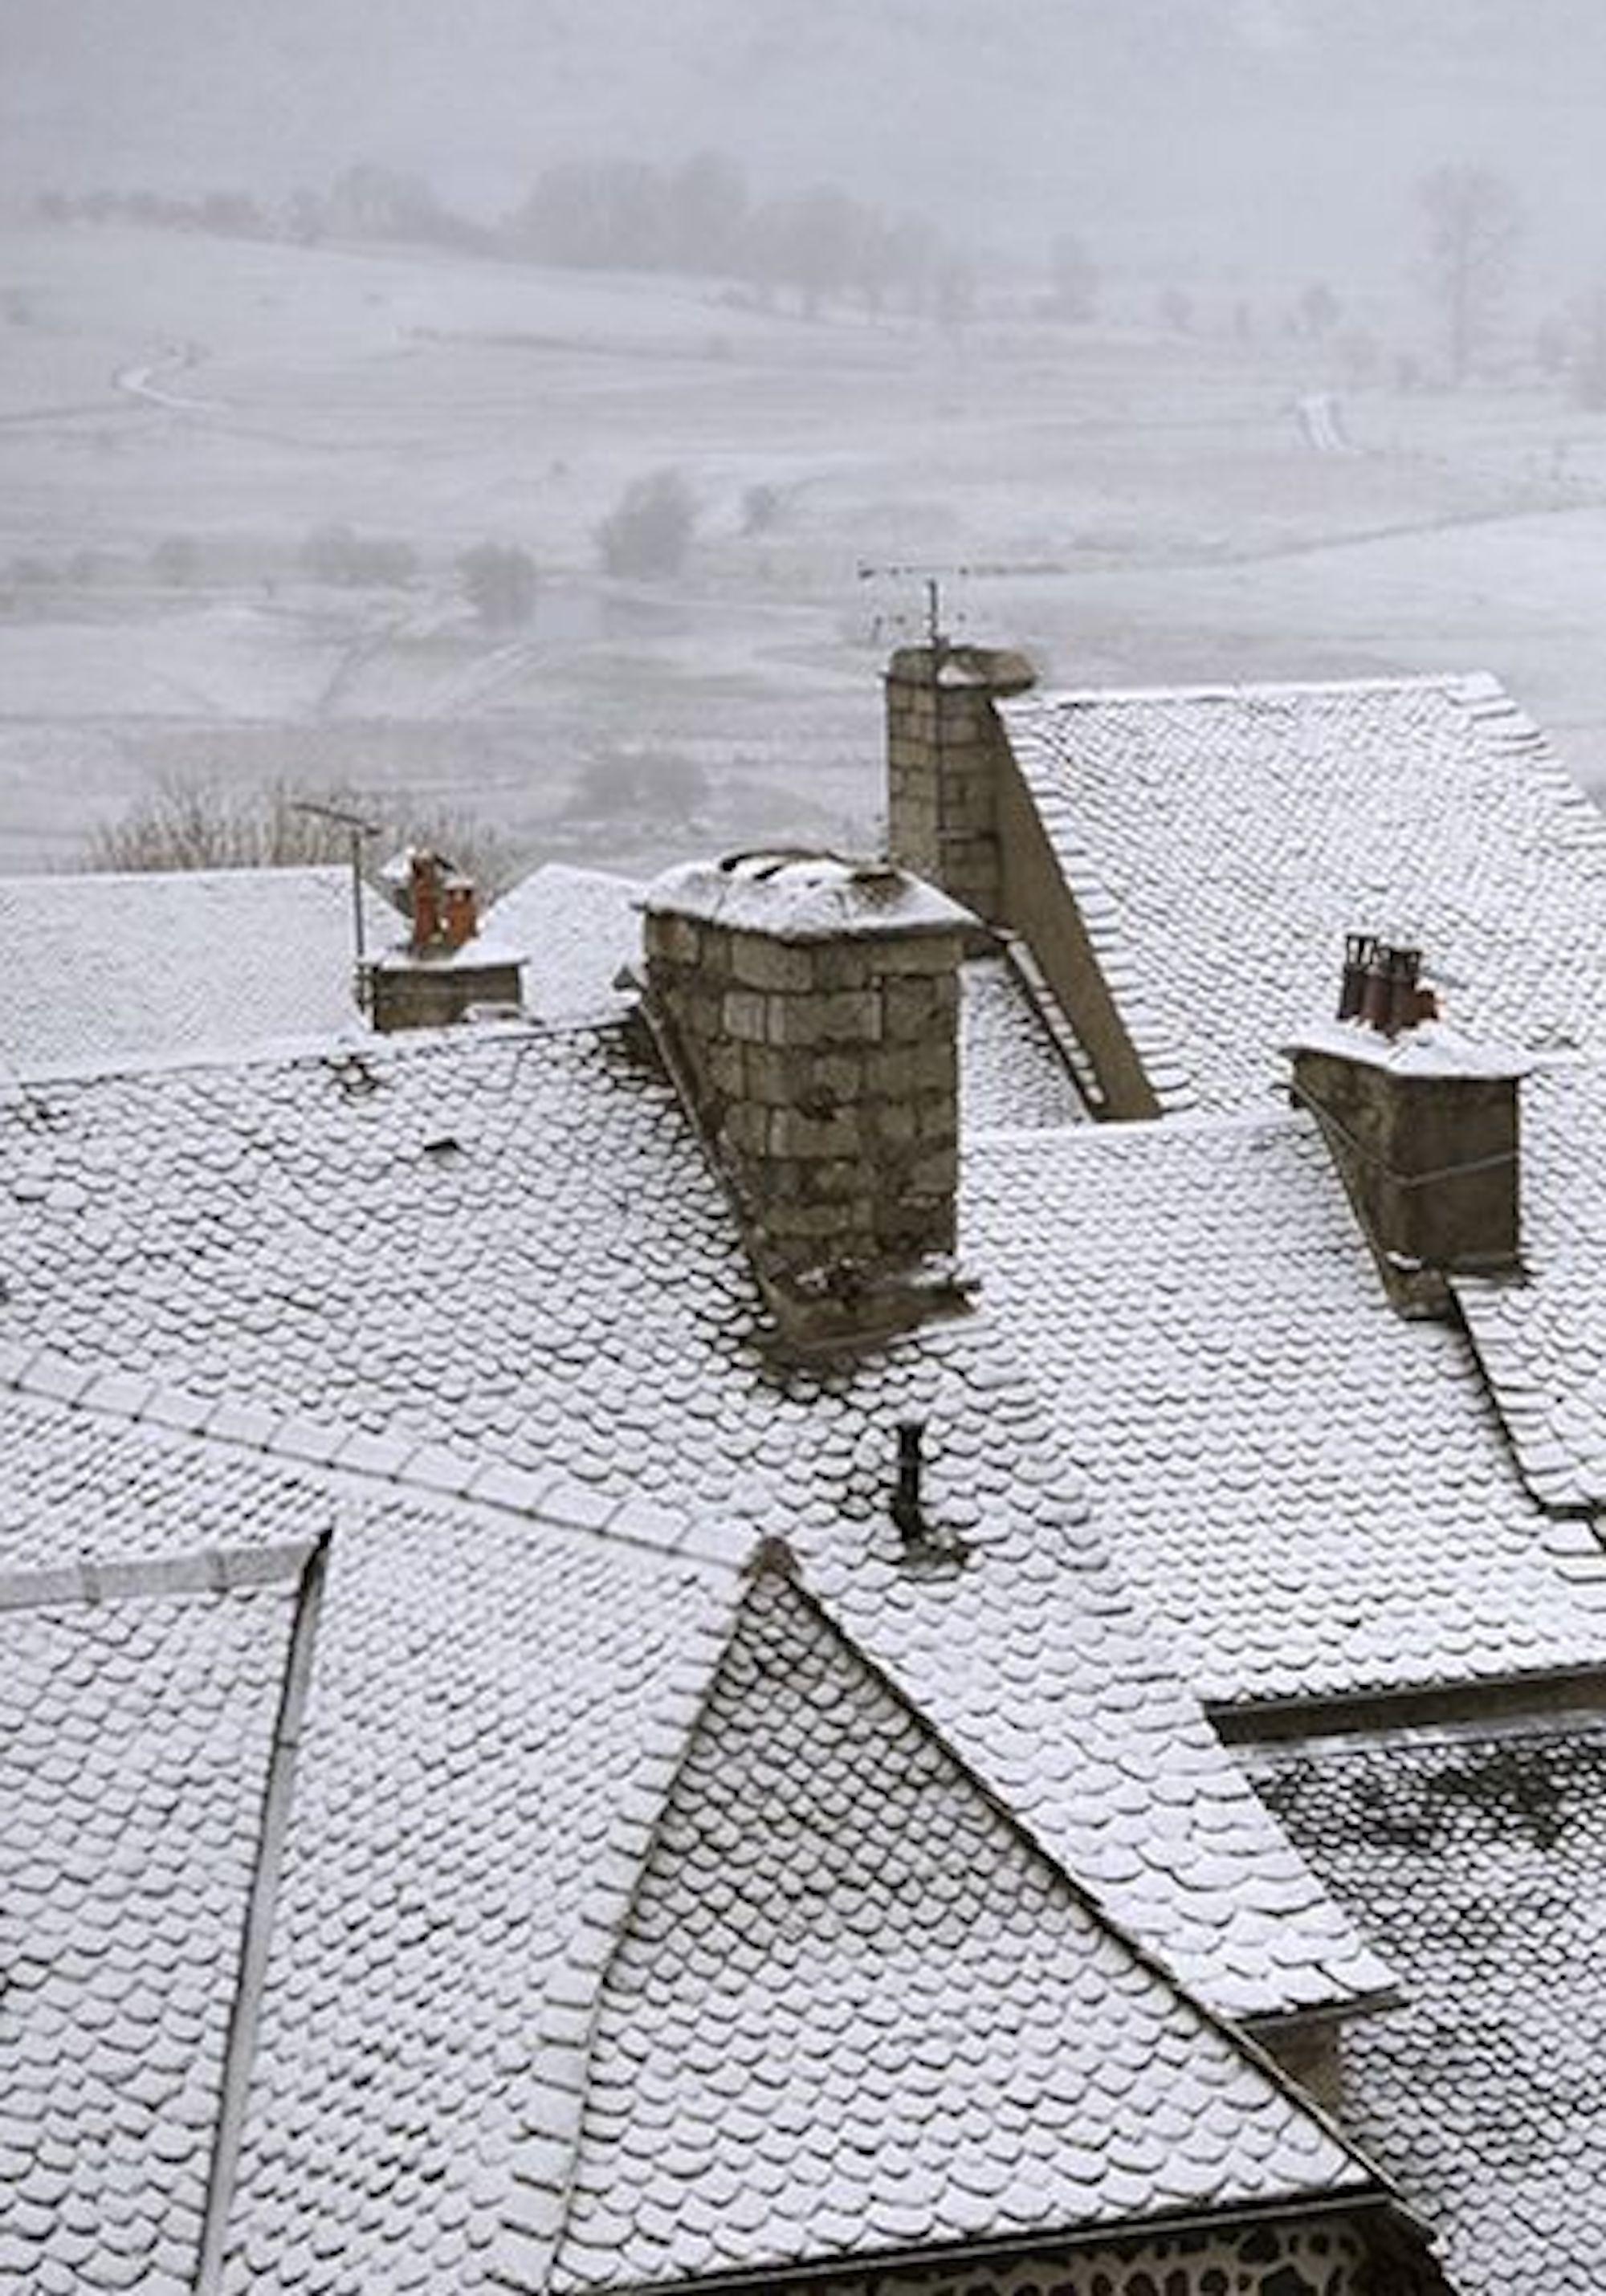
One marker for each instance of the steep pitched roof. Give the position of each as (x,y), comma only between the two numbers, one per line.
(1476,1858)
(1221,842)
(578,928)
(1315,1497)
(101,969)
(135,1740)
(1541,1339)
(511,1249)
(508,1747)
(853,2012)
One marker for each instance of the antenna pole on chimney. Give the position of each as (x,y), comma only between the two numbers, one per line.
(357,829)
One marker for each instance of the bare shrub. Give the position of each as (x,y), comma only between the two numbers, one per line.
(647,536)
(190,822)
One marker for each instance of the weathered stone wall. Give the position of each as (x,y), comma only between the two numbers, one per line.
(826,1074)
(1328,2259)
(433,996)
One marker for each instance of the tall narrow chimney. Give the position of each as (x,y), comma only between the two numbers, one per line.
(1421,1123)
(943,742)
(810,1004)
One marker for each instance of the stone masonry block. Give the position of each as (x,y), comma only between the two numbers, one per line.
(744,1014)
(757,962)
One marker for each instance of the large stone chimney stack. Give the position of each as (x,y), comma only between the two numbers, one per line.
(1422,1124)
(943,744)
(810,1006)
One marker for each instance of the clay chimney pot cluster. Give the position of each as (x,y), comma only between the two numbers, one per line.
(1383,986)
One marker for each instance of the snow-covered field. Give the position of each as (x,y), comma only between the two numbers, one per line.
(1164,508)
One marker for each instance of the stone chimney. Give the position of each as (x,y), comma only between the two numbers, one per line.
(445,969)
(810,1005)
(943,742)
(1421,1123)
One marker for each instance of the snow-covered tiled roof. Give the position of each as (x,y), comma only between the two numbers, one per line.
(508,1747)
(1314,1497)
(1012,1070)
(508,1251)
(99,969)
(135,1739)
(840,1955)
(578,929)
(1541,1339)
(1476,1858)
(1223,841)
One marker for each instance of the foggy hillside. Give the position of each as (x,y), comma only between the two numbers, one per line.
(1153,123)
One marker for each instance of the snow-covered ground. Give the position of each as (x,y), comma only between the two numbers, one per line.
(1162,509)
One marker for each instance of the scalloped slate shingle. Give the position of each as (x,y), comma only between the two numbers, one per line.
(484,1695)
(564,1288)
(1542,1341)
(134,1747)
(1224,841)
(1476,1859)
(101,969)
(852,2011)
(1314,1497)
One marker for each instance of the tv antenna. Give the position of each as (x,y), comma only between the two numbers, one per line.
(931,579)
(357,829)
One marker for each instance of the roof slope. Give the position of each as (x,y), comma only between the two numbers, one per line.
(560,1289)
(1274,819)
(854,2013)
(103,969)
(509,1746)
(1314,1497)
(576,929)
(134,1745)
(1476,1858)
(1542,1341)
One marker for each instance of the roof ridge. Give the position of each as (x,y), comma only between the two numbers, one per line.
(350,1041)
(547,2152)
(211,1570)
(1465,682)
(430,1471)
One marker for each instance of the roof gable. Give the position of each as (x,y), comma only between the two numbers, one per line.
(854,2011)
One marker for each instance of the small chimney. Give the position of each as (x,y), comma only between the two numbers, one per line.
(943,742)
(810,1006)
(1421,1123)
(443,971)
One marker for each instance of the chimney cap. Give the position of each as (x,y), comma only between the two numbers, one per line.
(792,893)
(1430,1049)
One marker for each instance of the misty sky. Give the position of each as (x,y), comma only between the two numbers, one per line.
(1155,126)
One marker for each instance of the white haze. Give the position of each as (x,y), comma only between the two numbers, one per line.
(1204,487)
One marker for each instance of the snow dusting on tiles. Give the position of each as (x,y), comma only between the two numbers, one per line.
(482,1703)
(578,929)
(83,1486)
(1012,1071)
(841,1954)
(565,1291)
(104,969)
(1476,1858)
(1274,819)
(1314,1497)
(1541,1339)
(134,1745)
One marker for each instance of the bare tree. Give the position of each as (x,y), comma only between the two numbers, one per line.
(192,823)
(1472,225)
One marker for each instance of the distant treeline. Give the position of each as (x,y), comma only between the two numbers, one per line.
(696,216)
